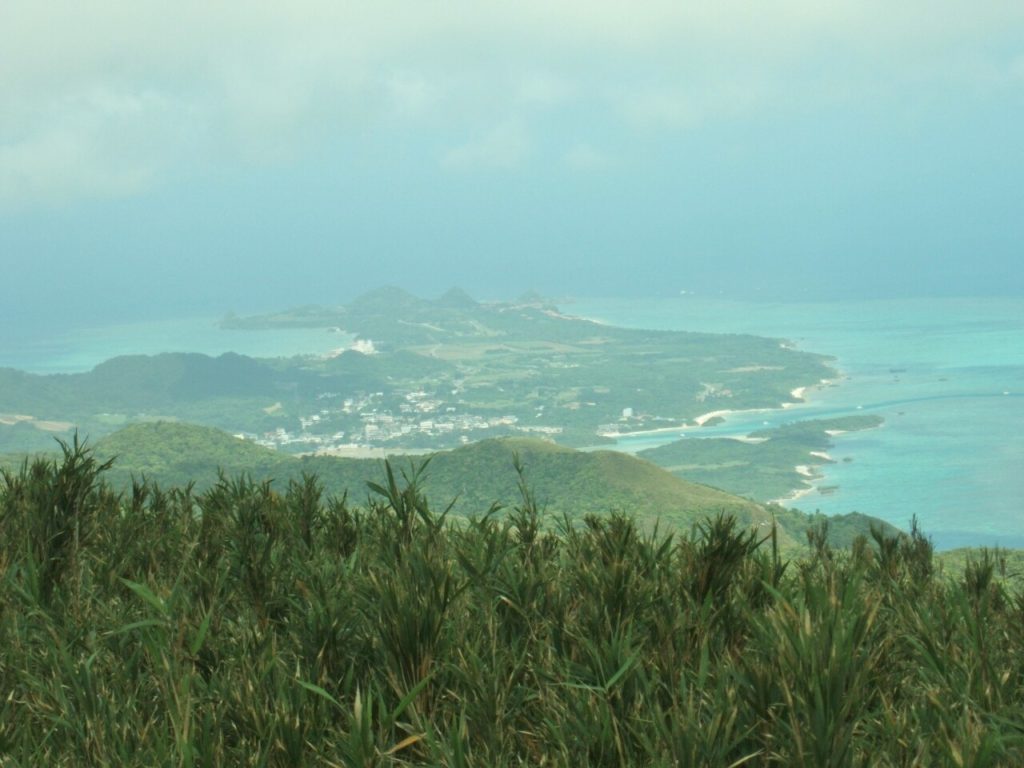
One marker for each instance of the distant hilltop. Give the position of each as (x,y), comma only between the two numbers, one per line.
(387,300)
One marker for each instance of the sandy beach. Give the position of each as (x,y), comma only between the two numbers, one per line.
(9,419)
(808,471)
(53,426)
(645,432)
(353,451)
(695,423)
(794,496)
(704,418)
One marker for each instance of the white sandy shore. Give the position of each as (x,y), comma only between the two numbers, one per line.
(353,451)
(796,394)
(804,470)
(9,419)
(808,471)
(697,422)
(798,494)
(704,418)
(45,425)
(645,432)
(53,426)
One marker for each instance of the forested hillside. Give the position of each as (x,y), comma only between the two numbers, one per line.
(469,479)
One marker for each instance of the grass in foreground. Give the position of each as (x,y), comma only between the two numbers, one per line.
(241,626)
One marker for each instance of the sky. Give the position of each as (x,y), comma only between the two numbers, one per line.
(162,158)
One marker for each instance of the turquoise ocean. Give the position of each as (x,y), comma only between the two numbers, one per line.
(947,375)
(79,349)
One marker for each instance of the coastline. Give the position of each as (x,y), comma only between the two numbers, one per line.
(704,418)
(696,423)
(643,432)
(807,472)
(796,495)
(43,425)
(798,395)
(354,451)
(981,436)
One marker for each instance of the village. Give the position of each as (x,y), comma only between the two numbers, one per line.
(418,419)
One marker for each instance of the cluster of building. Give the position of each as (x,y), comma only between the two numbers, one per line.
(368,420)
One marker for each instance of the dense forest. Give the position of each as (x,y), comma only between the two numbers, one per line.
(248,625)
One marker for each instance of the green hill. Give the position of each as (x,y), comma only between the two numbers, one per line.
(175,454)
(563,481)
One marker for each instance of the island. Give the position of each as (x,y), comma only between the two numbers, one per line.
(418,374)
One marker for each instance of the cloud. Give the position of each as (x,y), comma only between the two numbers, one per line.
(215,83)
(58,165)
(583,157)
(504,148)
(97,143)
(689,104)
(544,89)
(1017,68)
(412,95)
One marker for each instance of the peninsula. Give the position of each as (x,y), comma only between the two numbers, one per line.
(421,374)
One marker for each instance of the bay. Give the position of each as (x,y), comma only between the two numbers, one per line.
(75,350)
(947,375)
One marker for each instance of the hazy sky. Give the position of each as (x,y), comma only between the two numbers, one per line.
(157,157)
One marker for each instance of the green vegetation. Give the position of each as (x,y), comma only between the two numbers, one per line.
(565,482)
(429,375)
(246,626)
(1007,565)
(765,468)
